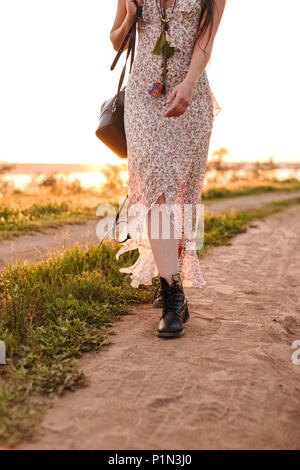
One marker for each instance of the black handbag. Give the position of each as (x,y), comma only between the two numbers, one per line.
(111,129)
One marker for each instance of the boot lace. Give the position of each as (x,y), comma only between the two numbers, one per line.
(172,299)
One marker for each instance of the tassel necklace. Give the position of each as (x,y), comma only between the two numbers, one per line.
(162,45)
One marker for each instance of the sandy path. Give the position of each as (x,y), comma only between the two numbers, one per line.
(228,383)
(54,239)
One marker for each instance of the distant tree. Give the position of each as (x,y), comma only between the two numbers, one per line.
(260,168)
(219,154)
(6,187)
(75,187)
(270,164)
(6,168)
(114,186)
(49,181)
(257,169)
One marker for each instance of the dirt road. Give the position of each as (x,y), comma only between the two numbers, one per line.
(229,383)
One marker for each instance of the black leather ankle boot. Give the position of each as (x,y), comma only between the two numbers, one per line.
(175,309)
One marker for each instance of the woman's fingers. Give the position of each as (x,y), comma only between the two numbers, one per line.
(171,112)
(180,104)
(177,109)
(174,112)
(139,2)
(171,96)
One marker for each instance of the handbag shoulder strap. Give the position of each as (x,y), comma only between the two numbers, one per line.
(131,35)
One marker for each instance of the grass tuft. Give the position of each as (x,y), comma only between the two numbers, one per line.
(251,189)
(50,314)
(15,221)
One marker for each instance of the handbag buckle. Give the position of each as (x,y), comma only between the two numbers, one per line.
(114,106)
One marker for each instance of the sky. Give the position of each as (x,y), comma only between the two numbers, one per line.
(55,72)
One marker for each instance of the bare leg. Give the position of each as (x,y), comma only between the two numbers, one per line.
(162,239)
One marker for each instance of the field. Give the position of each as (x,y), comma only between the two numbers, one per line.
(55,310)
(52,201)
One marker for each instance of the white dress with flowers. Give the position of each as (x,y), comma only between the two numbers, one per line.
(166,155)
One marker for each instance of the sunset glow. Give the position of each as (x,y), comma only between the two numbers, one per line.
(55,75)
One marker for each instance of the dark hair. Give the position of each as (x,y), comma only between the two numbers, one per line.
(206,19)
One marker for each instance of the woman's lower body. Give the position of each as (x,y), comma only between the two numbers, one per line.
(167,161)
(174,203)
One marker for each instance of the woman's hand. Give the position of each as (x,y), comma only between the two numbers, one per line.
(131,7)
(182,94)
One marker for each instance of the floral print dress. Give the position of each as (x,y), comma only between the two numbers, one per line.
(166,155)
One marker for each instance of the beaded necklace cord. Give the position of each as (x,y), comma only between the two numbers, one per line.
(162,45)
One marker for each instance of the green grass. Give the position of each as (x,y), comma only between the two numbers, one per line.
(248,190)
(50,314)
(54,311)
(15,222)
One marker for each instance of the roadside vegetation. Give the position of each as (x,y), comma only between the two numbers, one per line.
(55,202)
(54,311)
(250,189)
(15,222)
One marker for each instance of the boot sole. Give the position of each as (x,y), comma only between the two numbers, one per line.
(169,334)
